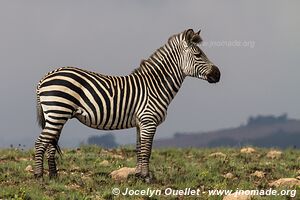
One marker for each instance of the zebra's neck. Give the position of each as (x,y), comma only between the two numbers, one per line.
(162,72)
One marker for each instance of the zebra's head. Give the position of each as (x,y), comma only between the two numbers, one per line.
(195,62)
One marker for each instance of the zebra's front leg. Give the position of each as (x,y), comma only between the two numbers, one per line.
(146,139)
(138,168)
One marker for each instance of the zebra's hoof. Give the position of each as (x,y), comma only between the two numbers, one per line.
(149,178)
(53,176)
(38,176)
(138,174)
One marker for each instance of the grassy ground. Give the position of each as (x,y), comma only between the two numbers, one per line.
(81,175)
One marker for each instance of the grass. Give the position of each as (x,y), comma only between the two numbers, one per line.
(81,175)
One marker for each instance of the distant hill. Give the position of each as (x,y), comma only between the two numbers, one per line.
(261,131)
(105,141)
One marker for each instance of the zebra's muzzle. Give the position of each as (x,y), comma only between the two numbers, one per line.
(214,75)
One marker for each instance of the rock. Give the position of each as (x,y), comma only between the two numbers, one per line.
(23,159)
(289,182)
(229,175)
(217,154)
(74,168)
(274,154)
(104,163)
(248,150)
(103,151)
(122,173)
(259,174)
(63,172)
(130,159)
(72,186)
(235,196)
(86,178)
(29,168)
(116,156)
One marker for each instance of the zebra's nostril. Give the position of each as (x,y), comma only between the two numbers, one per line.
(214,75)
(217,74)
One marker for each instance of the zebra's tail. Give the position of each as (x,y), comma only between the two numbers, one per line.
(57,147)
(39,111)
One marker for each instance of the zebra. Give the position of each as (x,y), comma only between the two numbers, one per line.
(105,102)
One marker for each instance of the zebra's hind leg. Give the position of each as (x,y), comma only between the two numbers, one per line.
(54,124)
(53,138)
(48,145)
(47,141)
(52,148)
(40,148)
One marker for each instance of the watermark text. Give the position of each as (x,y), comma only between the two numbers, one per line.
(229,43)
(149,192)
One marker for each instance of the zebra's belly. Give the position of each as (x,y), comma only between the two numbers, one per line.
(107,123)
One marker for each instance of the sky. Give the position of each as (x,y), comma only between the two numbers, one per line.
(255,44)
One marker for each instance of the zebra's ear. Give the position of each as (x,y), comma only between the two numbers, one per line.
(189,35)
(192,37)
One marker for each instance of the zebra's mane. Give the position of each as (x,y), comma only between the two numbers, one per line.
(144,61)
(140,68)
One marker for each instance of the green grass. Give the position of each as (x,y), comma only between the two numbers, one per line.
(82,177)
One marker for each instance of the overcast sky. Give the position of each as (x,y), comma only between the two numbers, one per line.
(261,76)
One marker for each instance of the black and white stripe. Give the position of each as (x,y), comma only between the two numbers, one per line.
(139,99)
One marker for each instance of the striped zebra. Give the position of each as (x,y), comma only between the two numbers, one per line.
(104,102)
